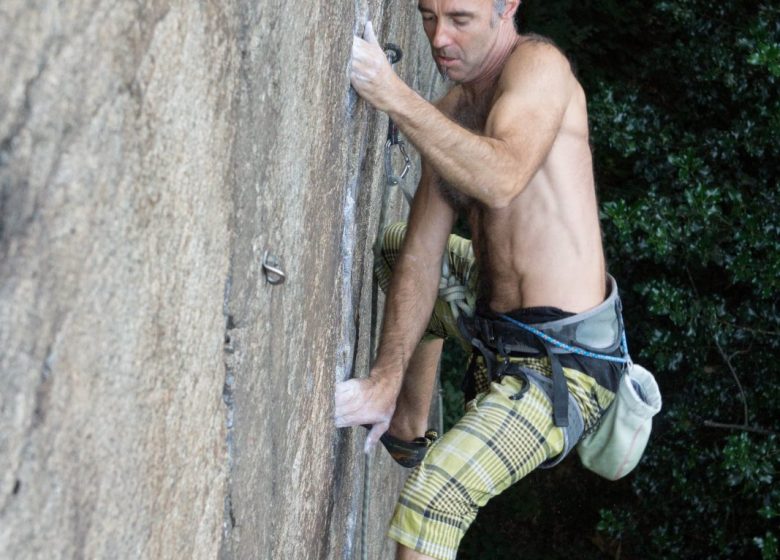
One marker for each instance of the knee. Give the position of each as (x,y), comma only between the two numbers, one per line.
(392,237)
(437,509)
(386,250)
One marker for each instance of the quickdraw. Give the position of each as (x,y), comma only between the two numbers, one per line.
(394,54)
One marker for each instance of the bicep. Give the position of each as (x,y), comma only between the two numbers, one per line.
(527,116)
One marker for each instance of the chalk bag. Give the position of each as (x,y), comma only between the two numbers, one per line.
(617,445)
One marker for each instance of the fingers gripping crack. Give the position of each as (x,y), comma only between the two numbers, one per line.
(365,402)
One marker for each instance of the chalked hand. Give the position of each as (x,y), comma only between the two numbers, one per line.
(371,74)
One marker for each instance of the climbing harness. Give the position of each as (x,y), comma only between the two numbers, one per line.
(560,392)
(574,349)
(394,55)
(597,334)
(616,445)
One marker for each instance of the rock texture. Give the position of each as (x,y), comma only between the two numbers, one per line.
(158,398)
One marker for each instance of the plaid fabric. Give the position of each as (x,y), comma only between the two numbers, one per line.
(462,264)
(497,442)
(592,398)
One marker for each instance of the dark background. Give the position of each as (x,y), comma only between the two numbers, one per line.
(685,120)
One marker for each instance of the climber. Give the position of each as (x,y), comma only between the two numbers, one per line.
(507,148)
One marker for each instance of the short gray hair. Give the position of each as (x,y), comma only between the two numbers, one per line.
(498,8)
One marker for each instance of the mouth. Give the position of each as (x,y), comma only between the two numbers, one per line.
(444,60)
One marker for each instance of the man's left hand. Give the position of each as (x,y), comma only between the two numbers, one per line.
(371,74)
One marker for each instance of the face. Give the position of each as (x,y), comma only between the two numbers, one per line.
(461,34)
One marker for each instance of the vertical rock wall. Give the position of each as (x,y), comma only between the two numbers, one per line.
(159,399)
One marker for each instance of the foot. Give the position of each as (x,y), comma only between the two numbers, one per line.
(409,454)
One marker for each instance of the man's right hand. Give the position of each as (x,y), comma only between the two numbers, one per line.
(369,401)
(371,74)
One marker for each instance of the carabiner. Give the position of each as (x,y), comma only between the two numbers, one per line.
(392,178)
(393,53)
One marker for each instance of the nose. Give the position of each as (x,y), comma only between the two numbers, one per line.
(441,36)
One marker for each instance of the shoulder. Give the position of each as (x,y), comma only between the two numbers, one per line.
(533,48)
(537,60)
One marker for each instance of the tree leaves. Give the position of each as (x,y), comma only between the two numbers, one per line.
(684,105)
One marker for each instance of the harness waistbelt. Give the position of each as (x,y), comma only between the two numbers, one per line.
(583,341)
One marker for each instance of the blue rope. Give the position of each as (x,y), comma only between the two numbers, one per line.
(573,349)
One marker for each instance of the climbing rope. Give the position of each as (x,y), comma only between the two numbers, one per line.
(575,349)
(463,300)
(459,297)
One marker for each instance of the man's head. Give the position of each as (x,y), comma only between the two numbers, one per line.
(465,34)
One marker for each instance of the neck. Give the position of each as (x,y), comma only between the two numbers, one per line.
(505,44)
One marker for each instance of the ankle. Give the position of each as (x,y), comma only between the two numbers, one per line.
(406,429)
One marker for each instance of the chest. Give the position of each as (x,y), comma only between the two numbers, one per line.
(471,115)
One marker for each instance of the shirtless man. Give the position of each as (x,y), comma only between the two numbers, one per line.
(508,148)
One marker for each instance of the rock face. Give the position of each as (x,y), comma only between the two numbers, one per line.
(159,398)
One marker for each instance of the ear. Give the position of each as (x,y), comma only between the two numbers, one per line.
(511,9)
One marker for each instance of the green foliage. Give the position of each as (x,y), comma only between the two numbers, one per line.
(768,546)
(685,127)
(453,365)
(694,240)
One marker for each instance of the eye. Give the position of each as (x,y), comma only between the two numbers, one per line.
(461,21)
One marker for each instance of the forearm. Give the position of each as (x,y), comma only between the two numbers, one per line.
(524,119)
(481,167)
(410,300)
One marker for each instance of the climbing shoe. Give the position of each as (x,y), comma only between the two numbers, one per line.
(409,454)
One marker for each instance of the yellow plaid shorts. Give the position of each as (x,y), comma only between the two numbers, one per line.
(497,442)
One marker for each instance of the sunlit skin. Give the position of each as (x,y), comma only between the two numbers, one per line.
(460,54)
(508,148)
